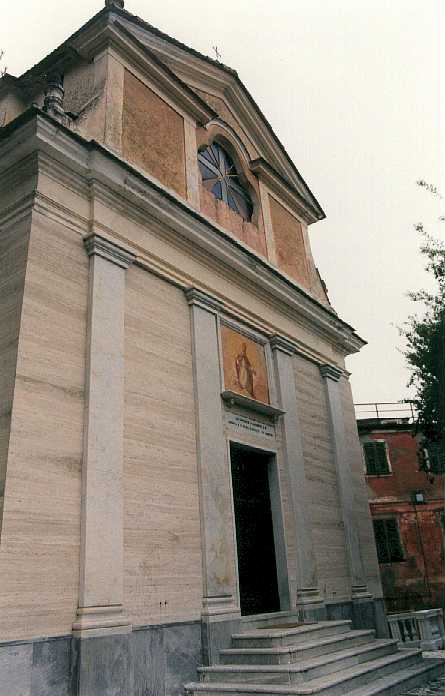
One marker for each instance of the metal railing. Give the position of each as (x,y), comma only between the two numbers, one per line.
(386,409)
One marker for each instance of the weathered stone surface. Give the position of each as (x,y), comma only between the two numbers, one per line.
(51,668)
(149,660)
(183,656)
(15,669)
(104,666)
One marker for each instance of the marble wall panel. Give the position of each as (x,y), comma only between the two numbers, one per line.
(39,557)
(361,502)
(162,540)
(323,500)
(15,669)
(13,258)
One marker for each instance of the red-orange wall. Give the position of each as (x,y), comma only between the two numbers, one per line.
(418,581)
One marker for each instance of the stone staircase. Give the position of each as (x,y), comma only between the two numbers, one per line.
(325,659)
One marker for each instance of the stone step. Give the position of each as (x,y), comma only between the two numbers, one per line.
(276,637)
(337,684)
(402,681)
(302,671)
(287,654)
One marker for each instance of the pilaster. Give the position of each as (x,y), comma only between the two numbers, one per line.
(100,609)
(331,376)
(214,480)
(191,164)
(307,577)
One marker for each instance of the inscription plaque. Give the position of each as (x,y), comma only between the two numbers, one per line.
(247,424)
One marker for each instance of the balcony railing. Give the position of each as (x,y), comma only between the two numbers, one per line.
(386,409)
(423,629)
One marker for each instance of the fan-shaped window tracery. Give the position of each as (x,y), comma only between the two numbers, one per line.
(219,176)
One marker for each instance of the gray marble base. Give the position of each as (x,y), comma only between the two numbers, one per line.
(103,665)
(364,613)
(216,636)
(41,667)
(150,661)
(164,658)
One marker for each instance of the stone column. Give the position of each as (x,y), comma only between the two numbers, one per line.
(215,491)
(307,580)
(100,609)
(331,376)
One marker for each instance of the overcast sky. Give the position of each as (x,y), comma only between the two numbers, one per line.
(352,90)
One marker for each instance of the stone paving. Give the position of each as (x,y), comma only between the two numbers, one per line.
(435,687)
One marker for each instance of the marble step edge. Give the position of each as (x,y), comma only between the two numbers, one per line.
(329,681)
(326,640)
(311,687)
(280,632)
(304,665)
(400,679)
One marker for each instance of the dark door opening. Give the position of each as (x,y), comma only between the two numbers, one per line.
(257,567)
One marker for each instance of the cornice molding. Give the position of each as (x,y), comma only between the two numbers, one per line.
(201,299)
(200,72)
(330,372)
(290,195)
(113,33)
(232,398)
(95,245)
(134,194)
(283,344)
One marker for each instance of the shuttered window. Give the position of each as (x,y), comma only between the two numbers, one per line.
(387,539)
(376,458)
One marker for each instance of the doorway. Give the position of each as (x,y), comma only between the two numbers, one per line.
(257,565)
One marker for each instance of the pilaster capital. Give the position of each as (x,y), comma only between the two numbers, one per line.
(201,299)
(278,342)
(96,245)
(330,372)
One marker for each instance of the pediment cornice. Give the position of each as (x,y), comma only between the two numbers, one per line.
(113,182)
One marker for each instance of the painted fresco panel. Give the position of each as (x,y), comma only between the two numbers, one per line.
(245,369)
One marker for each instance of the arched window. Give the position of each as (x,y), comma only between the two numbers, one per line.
(219,176)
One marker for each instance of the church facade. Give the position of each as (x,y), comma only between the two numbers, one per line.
(178,446)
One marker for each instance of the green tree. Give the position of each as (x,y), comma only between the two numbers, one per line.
(424,335)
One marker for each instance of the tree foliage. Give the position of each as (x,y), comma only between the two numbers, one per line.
(424,336)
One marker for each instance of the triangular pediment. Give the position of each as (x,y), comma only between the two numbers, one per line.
(224,92)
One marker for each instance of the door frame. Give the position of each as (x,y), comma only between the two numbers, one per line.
(277,520)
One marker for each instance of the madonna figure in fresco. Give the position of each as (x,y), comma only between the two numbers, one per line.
(245,373)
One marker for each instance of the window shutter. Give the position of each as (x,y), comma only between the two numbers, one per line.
(387,539)
(370,458)
(376,458)
(395,548)
(380,540)
(381,458)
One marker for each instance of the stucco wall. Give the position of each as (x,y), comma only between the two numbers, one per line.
(162,542)
(226,113)
(13,256)
(153,135)
(323,499)
(39,564)
(251,234)
(289,243)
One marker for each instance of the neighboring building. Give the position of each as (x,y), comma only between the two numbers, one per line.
(408,512)
(178,445)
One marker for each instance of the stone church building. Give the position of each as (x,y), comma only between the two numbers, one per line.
(179,462)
